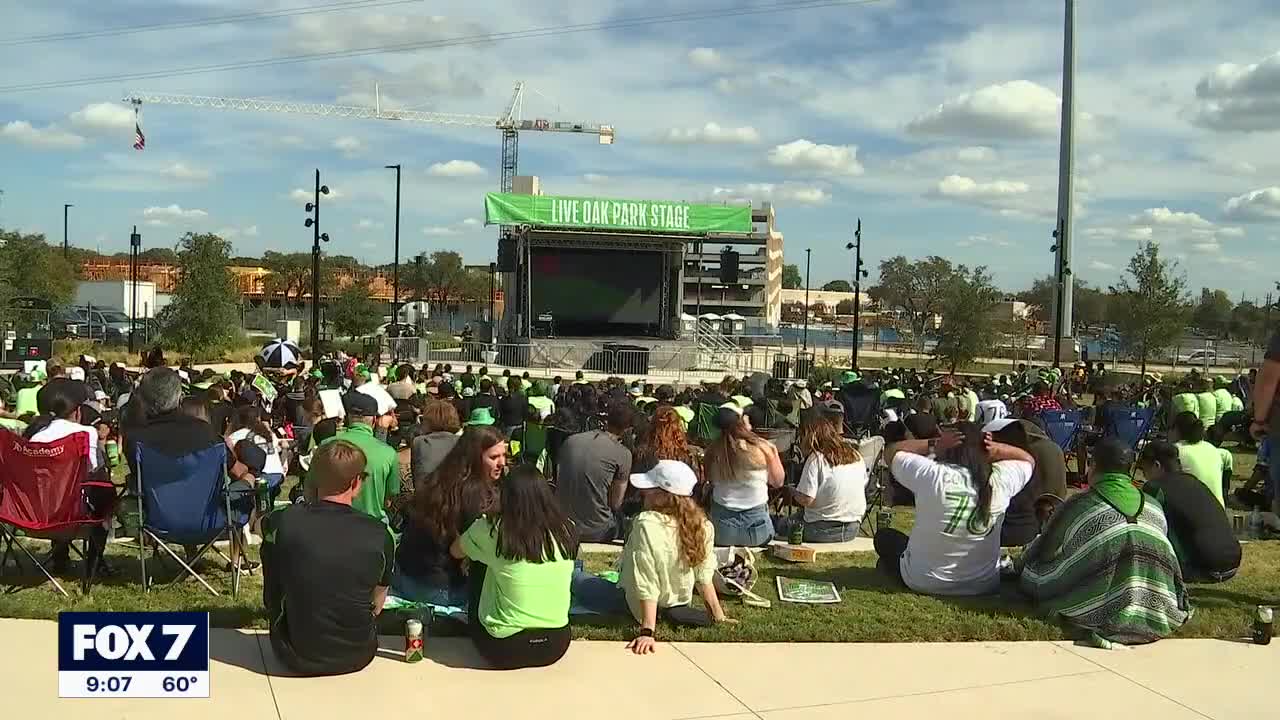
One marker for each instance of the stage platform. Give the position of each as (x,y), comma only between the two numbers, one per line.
(625,356)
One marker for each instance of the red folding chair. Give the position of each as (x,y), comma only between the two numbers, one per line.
(44,491)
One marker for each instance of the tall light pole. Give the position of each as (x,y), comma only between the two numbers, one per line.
(807,256)
(313,222)
(858,274)
(66,247)
(1066,158)
(135,246)
(395,277)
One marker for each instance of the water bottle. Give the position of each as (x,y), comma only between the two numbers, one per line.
(1254,530)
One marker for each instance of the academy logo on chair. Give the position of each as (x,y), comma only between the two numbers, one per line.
(133,654)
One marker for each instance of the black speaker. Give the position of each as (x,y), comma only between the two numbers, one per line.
(508,259)
(729,267)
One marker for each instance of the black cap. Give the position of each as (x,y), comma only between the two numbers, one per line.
(357,404)
(253,457)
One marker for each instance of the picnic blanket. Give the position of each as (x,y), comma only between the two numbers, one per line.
(1109,576)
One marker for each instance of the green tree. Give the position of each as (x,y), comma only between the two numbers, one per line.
(1213,313)
(1088,304)
(203,318)
(1248,323)
(838,286)
(844,307)
(353,312)
(29,266)
(439,278)
(1154,298)
(918,288)
(791,279)
(290,274)
(968,324)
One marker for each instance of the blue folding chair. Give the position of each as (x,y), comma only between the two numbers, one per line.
(1062,426)
(1130,424)
(185,501)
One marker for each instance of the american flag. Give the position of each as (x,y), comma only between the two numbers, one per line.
(139,140)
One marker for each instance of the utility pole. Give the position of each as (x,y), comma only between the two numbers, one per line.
(313,222)
(808,253)
(1066,159)
(395,278)
(135,246)
(66,247)
(858,274)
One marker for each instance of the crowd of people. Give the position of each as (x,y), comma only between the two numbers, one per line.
(472,493)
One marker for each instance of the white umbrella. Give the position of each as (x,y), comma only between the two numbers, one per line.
(280,354)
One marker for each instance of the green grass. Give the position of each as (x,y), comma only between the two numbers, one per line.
(872,609)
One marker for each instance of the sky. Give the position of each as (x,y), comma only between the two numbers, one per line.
(934,121)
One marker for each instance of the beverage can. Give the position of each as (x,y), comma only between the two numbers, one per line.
(412,641)
(263,496)
(1237,524)
(1263,627)
(796,536)
(113,453)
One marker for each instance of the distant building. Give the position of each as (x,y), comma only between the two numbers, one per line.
(758,294)
(825,301)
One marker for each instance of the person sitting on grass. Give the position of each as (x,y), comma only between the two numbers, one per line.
(521,565)
(668,553)
(326,571)
(833,483)
(1212,465)
(1207,548)
(1104,563)
(741,467)
(961,498)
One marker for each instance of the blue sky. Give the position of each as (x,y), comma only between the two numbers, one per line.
(935,121)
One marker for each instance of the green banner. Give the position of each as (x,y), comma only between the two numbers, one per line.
(656,216)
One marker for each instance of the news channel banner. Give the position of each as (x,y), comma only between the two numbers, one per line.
(133,654)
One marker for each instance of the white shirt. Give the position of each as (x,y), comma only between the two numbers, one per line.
(839,493)
(991,410)
(948,554)
(60,428)
(750,491)
(273,465)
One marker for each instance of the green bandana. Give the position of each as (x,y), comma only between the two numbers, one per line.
(1118,490)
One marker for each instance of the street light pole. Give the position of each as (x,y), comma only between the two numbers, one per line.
(858,274)
(313,222)
(395,278)
(807,256)
(1062,325)
(66,247)
(135,246)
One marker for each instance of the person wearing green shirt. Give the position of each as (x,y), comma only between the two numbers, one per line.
(382,464)
(1208,413)
(1223,397)
(1211,465)
(522,561)
(536,395)
(1185,402)
(26,401)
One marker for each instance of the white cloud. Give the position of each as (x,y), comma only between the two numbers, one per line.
(705,58)
(161,216)
(1163,216)
(251,231)
(185,173)
(103,117)
(975,153)
(1207,246)
(1018,109)
(473,222)
(959,186)
(350,146)
(1258,205)
(1241,98)
(438,231)
(595,178)
(351,31)
(1107,236)
(713,133)
(455,169)
(1099,265)
(1231,232)
(983,241)
(50,137)
(775,80)
(368,224)
(785,193)
(305,196)
(807,155)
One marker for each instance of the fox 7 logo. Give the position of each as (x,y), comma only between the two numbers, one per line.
(137,640)
(127,642)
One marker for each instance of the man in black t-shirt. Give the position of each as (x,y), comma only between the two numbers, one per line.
(326,571)
(1206,547)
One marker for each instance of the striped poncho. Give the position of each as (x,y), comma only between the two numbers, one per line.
(1099,572)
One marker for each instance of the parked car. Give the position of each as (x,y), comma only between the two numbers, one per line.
(1209,357)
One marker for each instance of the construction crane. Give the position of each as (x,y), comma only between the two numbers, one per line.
(510,123)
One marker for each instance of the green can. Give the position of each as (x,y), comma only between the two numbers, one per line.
(263,496)
(113,453)
(796,537)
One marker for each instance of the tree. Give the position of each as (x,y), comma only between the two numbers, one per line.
(1213,313)
(1088,304)
(1248,323)
(353,313)
(919,288)
(844,307)
(838,286)
(203,319)
(791,279)
(290,274)
(968,325)
(1154,298)
(29,266)
(793,312)
(439,277)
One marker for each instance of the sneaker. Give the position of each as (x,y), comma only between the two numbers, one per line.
(1007,567)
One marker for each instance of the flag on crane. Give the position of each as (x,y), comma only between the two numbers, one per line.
(139,140)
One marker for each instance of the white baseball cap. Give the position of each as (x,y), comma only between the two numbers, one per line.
(998,425)
(671,475)
(75,372)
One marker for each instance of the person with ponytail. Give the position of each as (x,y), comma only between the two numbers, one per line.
(963,482)
(248,424)
(668,553)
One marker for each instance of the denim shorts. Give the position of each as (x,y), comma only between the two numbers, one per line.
(744,528)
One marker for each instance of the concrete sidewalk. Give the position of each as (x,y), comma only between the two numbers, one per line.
(1173,680)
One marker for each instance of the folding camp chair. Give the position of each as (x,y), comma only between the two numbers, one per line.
(1062,426)
(703,430)
(533,442)
(45,492)
(1130,424)
(185,501)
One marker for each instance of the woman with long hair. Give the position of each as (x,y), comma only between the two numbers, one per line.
(963,483)
(462,488)
(668,554)
(741,467)
(833,482)
(249,423)
(522,557)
